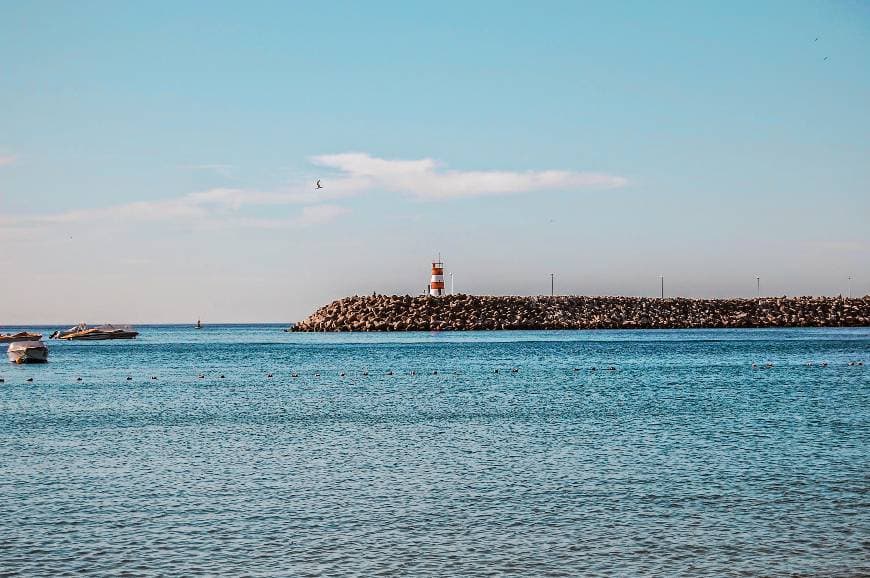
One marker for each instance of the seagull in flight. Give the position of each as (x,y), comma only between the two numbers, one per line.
(825,58)
(318,185)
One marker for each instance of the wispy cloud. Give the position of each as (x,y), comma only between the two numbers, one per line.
(426,179)
(6,160)
(356,174)
(223,170)
(321,214)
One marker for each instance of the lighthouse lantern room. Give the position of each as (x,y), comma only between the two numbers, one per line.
(436,281)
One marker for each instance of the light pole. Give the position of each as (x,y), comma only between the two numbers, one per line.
(552,284)
(850,286)
(758,286)
(451,283)
(662,279)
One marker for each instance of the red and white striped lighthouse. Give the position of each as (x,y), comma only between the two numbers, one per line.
(436,282)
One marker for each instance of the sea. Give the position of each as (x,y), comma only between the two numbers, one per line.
(242,450)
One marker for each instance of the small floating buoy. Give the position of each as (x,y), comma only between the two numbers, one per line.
(342,374)
(2,380)
(222,376)
(78,379)
(496,370)
(129,378)
(754,366)
(435,372)
(413,372)
(268,375)
(593,368)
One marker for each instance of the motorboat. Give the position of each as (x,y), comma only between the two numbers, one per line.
(21,336)
(27,352)
(74,329)
(99,333)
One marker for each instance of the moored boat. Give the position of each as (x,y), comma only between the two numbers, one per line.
(99,333)
(21,336)
(27,352)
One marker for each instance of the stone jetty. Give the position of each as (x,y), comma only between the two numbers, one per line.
(483,312)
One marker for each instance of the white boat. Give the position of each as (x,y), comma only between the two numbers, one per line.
(27,352)
(99,333)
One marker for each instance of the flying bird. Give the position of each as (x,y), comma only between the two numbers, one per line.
(825,58)
(318,185)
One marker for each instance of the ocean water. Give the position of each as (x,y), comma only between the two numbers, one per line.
(683,460)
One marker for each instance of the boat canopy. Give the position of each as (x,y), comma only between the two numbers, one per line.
(25,345)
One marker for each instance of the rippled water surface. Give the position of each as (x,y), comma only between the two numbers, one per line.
(684,460)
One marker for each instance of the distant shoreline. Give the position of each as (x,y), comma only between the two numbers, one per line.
(482,313)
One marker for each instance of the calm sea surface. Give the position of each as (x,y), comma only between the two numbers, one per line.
(683,461)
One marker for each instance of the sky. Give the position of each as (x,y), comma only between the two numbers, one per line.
(158,160)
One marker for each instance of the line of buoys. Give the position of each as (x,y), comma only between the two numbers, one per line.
(390,372)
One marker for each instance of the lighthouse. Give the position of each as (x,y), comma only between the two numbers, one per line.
(436,281)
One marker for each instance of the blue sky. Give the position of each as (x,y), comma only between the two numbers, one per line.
(157,161)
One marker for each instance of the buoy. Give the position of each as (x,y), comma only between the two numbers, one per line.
(129,378)
(754,366)
(593,368)
(435,372)
(2,380)
(496,371)
(342,374)
(222,376)
(269,375)
(78,379)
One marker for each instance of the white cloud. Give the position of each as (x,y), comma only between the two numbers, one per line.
(321,214)
(358,173)
(423,179)
(6,160)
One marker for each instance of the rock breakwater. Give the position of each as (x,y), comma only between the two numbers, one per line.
(479,312)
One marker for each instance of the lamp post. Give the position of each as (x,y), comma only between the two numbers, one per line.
(552,284)
(758,286)
(850,286)
(662,279)
(451,283)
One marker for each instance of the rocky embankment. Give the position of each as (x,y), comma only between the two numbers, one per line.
(477,312)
